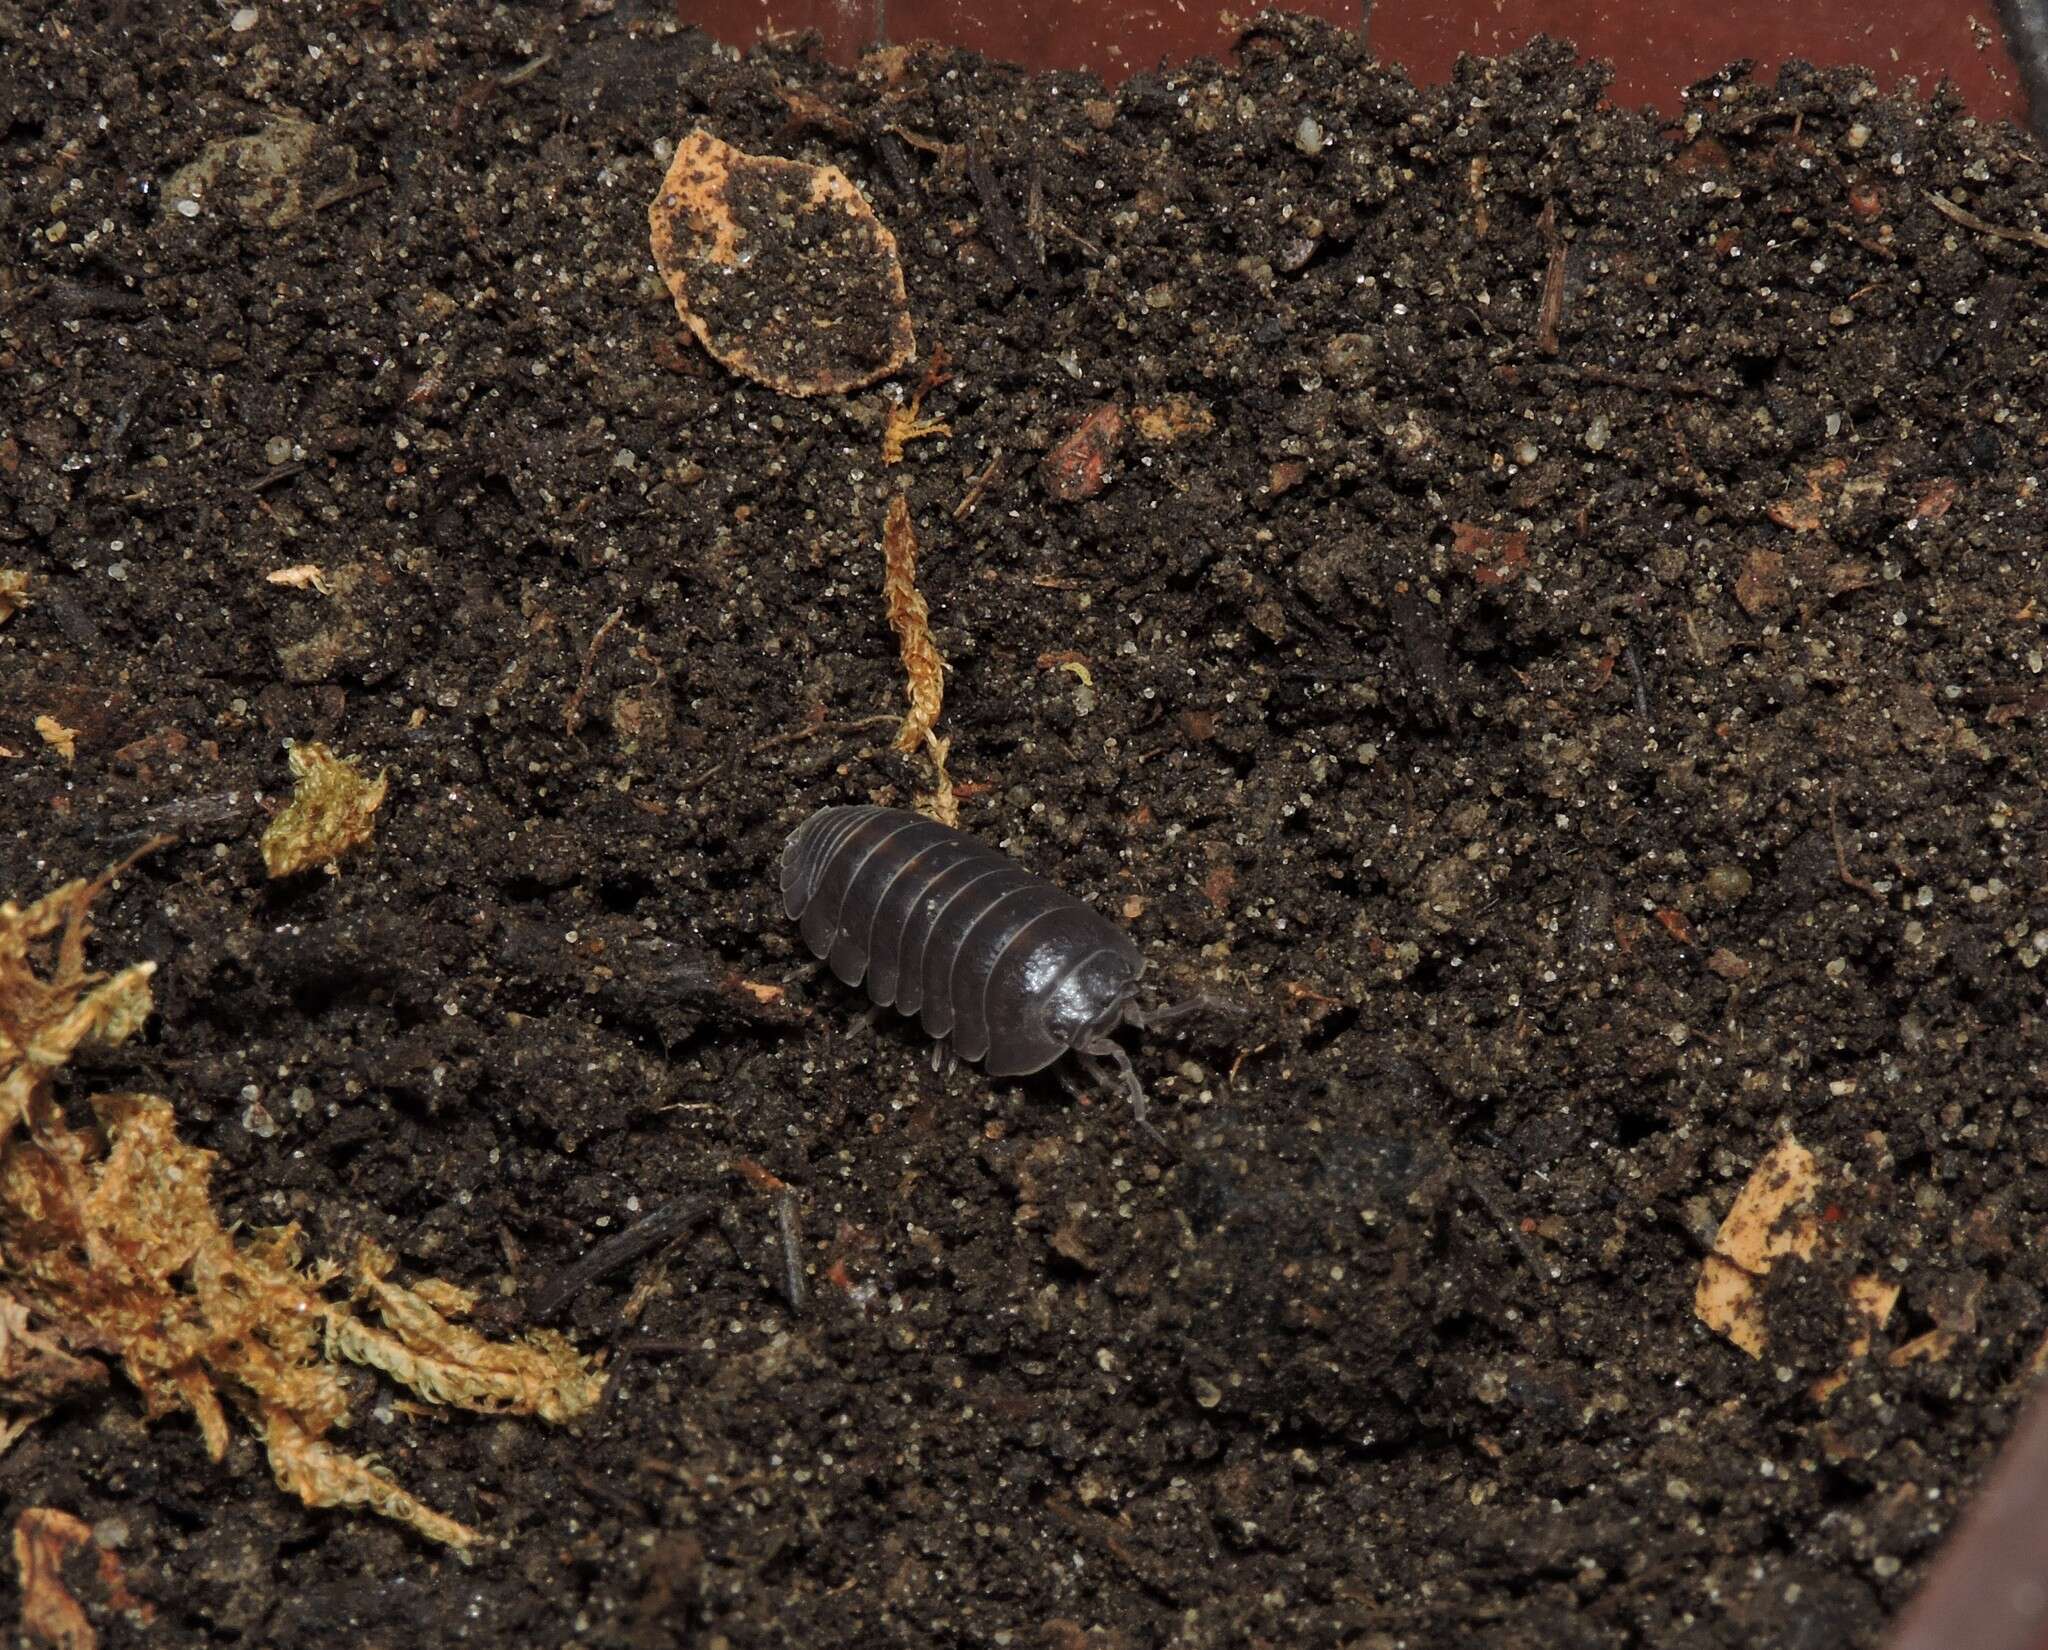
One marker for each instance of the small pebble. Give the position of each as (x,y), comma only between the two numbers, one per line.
(188,209)
(244,20)
(1308,136)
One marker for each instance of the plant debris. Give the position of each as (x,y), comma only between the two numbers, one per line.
(13,592)
(44,1538)
(1078,467)
(925,671)
(907,423)
(1754,1234)
(332,810)
(305,575)
(62,740)
(108,1231)
(911,620)
(36,1371)
(781,270)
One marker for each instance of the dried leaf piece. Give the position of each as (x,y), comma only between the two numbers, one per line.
(63,740)
(1173,419)
(1754,1234)
(299,577)
(1761,586)
(13,592)
(911,620)
(36,1372)
(782,270)
(1078,467)
(43,1539)
(1871,1299)
(332,810)
(1496,555)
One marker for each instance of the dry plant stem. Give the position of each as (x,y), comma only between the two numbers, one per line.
(944,802)
(671,1220)
(572,716)
(1986,1590)
(1969,220)
(911,620)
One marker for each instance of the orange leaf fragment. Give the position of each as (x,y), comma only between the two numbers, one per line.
(1674,924)
(1495,555)
(43,1539)
(1078,467)
(781,270)
(1754,1234)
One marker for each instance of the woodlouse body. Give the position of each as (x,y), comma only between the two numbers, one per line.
(993,960)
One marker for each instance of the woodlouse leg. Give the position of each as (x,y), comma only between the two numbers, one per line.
(1091,1056)
(938,1057)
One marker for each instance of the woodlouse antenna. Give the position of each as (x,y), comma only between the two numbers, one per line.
(1202,1002)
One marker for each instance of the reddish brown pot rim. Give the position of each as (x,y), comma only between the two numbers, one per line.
(1657,47)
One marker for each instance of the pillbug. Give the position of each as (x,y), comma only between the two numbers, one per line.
(997,964)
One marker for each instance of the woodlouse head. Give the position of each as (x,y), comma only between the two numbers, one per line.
(1089,1003)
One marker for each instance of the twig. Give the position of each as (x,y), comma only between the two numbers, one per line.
(348,192)
(787,1217)
(996,219)
(572,717)
(979,486)
(1551,312)
(526,71)
(1890,254)
(811,730)
(1969,220)
(1642,686)
(1842,855)
(283,473)
(668,1222)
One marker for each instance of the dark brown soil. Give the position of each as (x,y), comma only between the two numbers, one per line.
(1583,694)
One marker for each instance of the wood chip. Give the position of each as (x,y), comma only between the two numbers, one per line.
(304,576)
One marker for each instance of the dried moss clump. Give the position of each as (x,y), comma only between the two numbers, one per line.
(333,809)
(108,1234)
